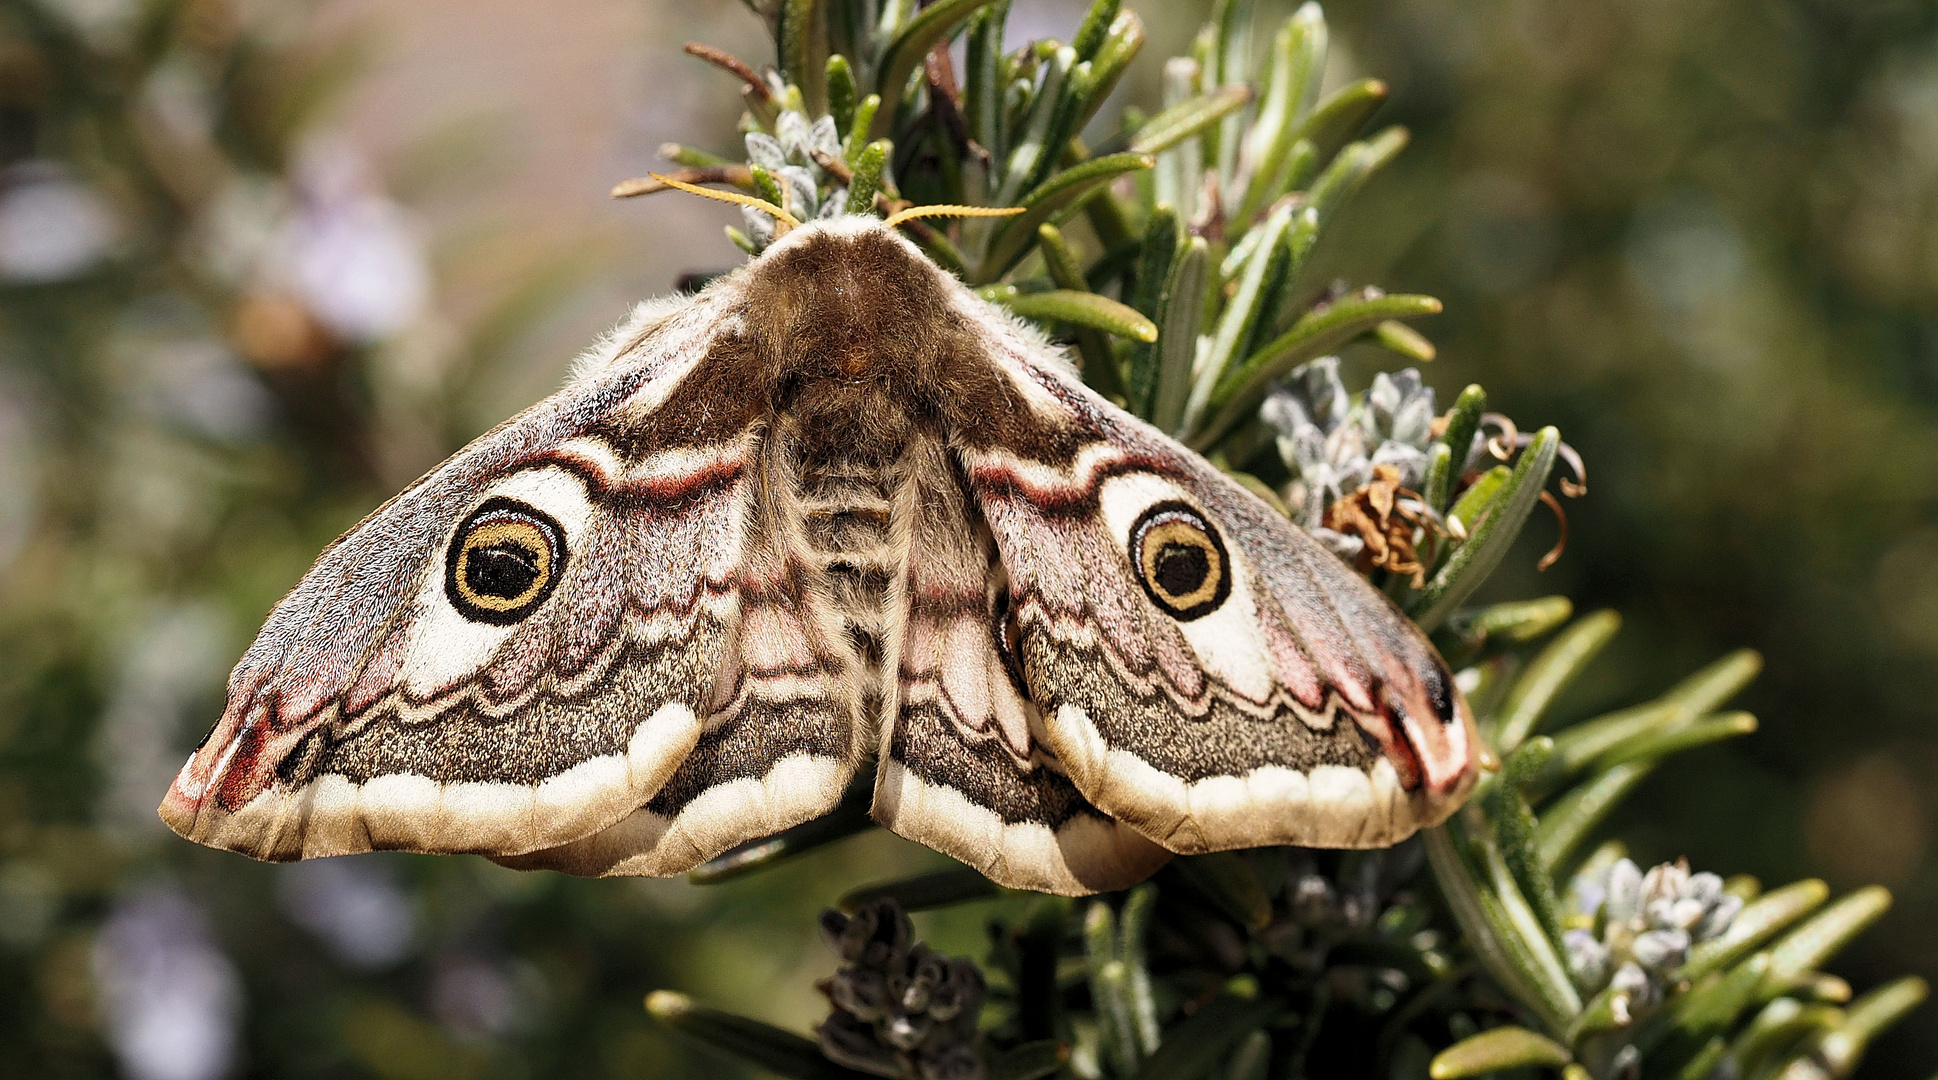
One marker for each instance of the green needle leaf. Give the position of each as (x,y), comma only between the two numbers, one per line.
(1806,948)
(1497,923)
(1337,118)
(1458,437)
(1470,630)
(762,1045)
(868,177)
(1660,744)
(944,888)
(1500,1048)
(1095,28)
(843,93)
(1240,391)
(1298,60)
(1158,251)
(1398,337)
(1077,308)
(937,21)
(1100,368)
(1188,118)
(804,30)
(1548,674)
(1242,314)
(1760,920)
(1177,343)
(1868,1017)
(1488,541)
(1569,820)
(1015,236)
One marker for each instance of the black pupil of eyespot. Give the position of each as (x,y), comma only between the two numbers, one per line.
(1181,568)
(501,570)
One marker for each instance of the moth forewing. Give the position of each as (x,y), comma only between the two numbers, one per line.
(836,506)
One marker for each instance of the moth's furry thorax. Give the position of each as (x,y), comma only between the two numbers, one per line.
(853,334)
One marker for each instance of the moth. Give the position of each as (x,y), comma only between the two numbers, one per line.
(832,508)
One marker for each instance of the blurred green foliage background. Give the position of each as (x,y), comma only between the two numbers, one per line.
(261,264)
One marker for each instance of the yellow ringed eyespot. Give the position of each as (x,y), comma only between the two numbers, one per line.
(503,562)
(1180,560)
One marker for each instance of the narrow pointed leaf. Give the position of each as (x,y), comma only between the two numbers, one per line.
(868,177)
(944,888)
(1674,1036)
(1781,1025)
(857,138)
(1037,144)
(1099,362)
(1548,674)
(1513,622)
(1514,833)
(1704,1063)
(1820,937)
(1077,308)
(1157,253)
(1240,390)
(1760,920)
(1132,927)
(1120,47)
(1440,478)
(1400,338)
(1702,692)
(1339,117)
(1867,1018)
(1180,166)
(1013,238)
(1094,28)
(1177,342)
(1252,1060)
(1499,1048)
(1110,989)
(1238,320)
(1343,178)
(1297,59)
(1660,744)
(1503,941)
(1187,119)
(762,1045)
(1458,437)
(1569,820)
(803,41)
(935,22)
(843,93)
(1470,563)
(1534,939)
(1693,697)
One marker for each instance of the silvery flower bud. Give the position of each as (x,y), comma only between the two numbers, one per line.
(1624,900)
(1587,957)
(1661,950)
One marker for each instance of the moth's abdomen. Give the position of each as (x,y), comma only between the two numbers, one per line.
(846,513)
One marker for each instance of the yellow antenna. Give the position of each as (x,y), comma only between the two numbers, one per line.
(949,210)
(761,205)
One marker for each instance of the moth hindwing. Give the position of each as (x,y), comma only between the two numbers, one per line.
(834,507)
